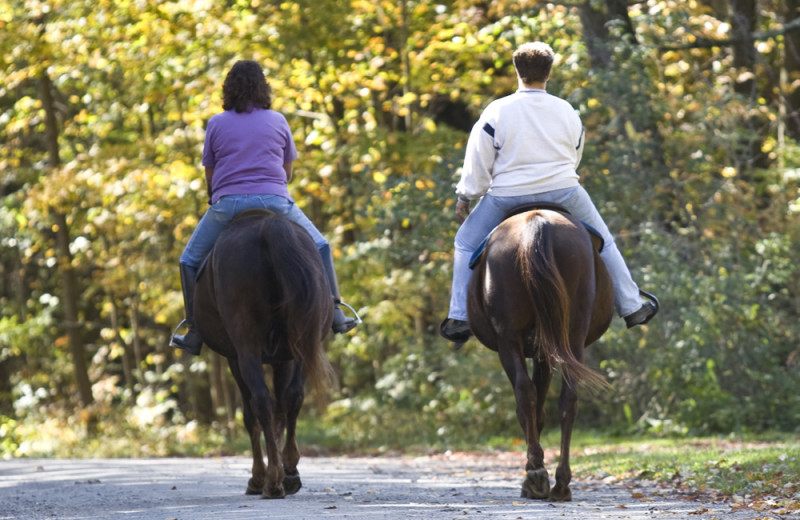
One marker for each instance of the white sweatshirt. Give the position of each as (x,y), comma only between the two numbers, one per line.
(527,143)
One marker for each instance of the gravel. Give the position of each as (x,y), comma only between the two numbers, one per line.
(437,487)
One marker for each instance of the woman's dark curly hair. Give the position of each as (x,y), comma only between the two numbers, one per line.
(246,88)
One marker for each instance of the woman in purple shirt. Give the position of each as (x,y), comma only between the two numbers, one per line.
(247,155)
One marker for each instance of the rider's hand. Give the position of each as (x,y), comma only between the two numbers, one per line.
(462,209)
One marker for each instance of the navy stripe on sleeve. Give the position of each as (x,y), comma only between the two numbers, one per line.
(489,129)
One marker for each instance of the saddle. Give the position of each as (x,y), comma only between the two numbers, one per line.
(597,239)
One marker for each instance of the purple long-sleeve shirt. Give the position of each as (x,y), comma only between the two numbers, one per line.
(247,151)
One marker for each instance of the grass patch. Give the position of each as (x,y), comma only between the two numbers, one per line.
(756,467)
(743,468)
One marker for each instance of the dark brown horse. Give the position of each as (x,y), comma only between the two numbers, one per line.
(541,291)
(263,298)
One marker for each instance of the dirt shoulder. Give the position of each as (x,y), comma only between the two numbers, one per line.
(435,488)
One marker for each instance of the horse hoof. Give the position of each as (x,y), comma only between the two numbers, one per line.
(254,487)
(277,492)
(536,485)
(560,494)
(291,483)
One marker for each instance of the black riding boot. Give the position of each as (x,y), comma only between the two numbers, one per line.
(645,312)
(341,323)
(191,342)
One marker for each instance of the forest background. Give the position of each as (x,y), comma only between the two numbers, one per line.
(691,116)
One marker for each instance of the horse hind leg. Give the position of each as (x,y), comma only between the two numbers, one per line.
(537,482)
(542,376)
(261,405)
(568,407)
(568,410)
(259,471)
(290,395)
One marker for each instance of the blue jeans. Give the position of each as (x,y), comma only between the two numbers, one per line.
(219,215)
(491,210)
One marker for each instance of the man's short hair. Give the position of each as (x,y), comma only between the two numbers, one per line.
(533,61)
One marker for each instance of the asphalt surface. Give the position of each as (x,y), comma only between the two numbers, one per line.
(448,486)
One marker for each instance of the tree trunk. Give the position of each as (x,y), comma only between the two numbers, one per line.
(406,66)
(635,90)
(618,12)
(743,16)
(138,353)
(595,35)
(596,21)
(743,24)
(70,293)
(217,397)
(230,393)
(127,370)
(791,65)
(221,394)
(69,281)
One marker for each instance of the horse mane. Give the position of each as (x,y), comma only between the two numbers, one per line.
(551,301)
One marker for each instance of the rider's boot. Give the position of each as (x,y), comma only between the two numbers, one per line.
(457,331)
(191,342)
(645,313)
(341,323)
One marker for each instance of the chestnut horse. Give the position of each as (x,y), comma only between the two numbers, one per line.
(541,291)
(263,298)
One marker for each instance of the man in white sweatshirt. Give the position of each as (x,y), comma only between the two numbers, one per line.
(525,148)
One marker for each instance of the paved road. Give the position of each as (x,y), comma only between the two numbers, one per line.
(438,487)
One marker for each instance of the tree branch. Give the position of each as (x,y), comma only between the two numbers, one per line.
(707,43)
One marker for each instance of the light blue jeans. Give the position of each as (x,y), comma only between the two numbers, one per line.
(491,210)
(220,214)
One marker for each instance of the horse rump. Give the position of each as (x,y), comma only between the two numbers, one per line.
(551,299)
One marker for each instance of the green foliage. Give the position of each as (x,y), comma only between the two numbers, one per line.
(380,102)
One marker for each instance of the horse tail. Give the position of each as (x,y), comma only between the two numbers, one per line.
(551,302)
(304,302)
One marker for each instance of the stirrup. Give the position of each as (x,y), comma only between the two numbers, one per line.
(339,303)
(191,342)
(174,332)
(650,297)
